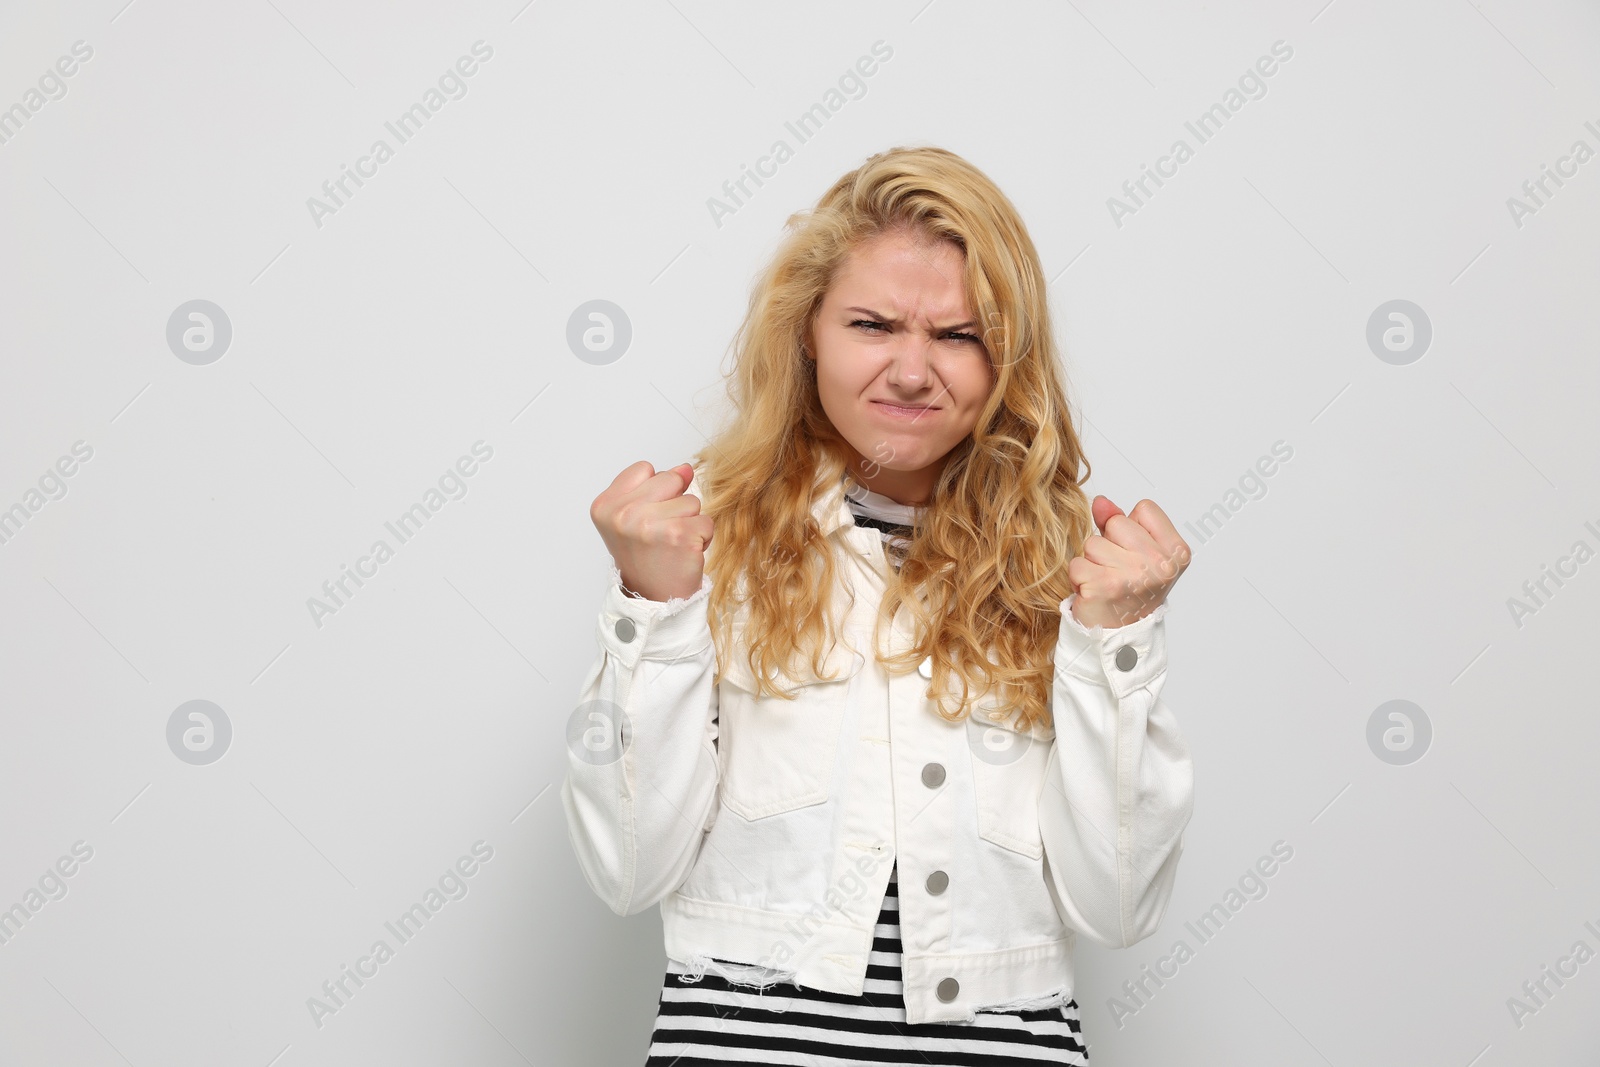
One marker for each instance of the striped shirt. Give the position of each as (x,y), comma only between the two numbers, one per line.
(706,1019)
(896,522)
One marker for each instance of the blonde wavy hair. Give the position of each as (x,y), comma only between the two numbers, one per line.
(987,568)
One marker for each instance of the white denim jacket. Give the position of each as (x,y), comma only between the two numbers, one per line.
(765,829)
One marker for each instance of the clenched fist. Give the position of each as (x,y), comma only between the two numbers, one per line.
(1125,571)
(654,530)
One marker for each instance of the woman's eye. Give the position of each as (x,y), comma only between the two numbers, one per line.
(874,325)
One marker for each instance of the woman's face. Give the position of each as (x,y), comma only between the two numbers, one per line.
(901,367)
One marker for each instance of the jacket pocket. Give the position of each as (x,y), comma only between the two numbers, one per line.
(777,755)
(1008,767)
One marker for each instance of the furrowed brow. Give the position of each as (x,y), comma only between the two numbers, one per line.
(969,324)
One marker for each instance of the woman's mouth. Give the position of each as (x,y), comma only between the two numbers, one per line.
(901,411)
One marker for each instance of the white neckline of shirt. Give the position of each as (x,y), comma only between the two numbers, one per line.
(877,506)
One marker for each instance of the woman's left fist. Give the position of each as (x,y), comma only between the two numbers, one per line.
(1126,570)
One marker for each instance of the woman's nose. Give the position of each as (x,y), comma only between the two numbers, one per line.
(908,367)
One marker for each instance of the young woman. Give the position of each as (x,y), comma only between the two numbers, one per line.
(887,743)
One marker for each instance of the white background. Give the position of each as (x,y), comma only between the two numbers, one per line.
(430,312)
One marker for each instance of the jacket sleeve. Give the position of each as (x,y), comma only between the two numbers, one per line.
(641,783)
(1119,784)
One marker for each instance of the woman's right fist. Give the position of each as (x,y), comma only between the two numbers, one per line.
(654,530)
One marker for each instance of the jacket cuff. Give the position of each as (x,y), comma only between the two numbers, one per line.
(632,627)
(1124,658)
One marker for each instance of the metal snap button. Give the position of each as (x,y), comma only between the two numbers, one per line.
(938,882)
(1126,658)
(625,629)
(948,989)
(925,668)
(933,775)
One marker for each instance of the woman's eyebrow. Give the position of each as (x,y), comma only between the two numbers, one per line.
(890,318)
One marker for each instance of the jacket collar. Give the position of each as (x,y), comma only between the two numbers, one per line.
(830,508)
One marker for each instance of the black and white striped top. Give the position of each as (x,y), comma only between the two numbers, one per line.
(896,522)
(708,1020)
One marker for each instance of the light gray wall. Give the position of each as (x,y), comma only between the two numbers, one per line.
(371,347)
